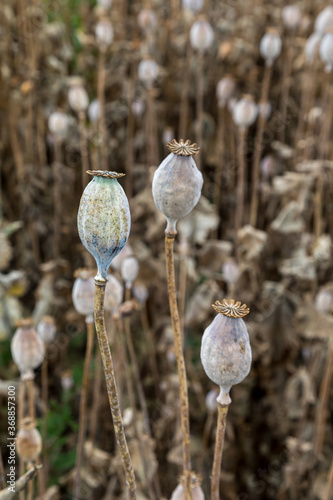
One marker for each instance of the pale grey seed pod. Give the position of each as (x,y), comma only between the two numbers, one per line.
(291,16)
(265,109)
(140,292)
(270,46)
(46,329)
(193,5)
(177,183)
(66,380)
(326,51)
(168,135)
(28,441)
(224,90)
(148,71)
(129,270)
(201,35)
(245,112)
(324,300)
(104,33)
(83,293)
(225,350)
(312,45)
(324,20)
(58,124)
(27,348)
(105,4)
(147,19)
(114,293)
(138,107)
(268,167)
(230,271)
(78,98)
(94,111)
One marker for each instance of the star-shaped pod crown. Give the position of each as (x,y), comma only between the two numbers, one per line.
(231,309)
(183,148)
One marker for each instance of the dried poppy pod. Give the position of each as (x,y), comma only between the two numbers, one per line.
(94,111)
(177,183)
(193,5)
(46,329)
(104,219)
(326,51)
(270,46)
(291,16)
(28,441)
(201,35)
(230,271)
(27,348)
(147,19)
(77,95)
(245,112)
(312,45)
(114,292)
(225,349)
(104,34)
(140,293)
(83,292)
(324,20)
(196,490)
(224,90)
(148,71)
(58,124)
(129,270)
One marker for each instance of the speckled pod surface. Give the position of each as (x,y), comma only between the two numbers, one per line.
(104,220)
(226,353)
(177,185)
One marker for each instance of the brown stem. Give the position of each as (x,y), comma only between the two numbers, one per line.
(101,98)
(57,198)
(183,115)
(96,397)
(130,137)
(30,484)
(241,178)
(45,383)
(150,342)
(112,387)
(323,401)
(205,438)
(182,292)
(2,473)
(200,92)
(216,472)
(83,405)
(31,397)
(83,148)
(286,81)
(184,406)
(258,147)
(21,483)
(329,486)
(151,130)
(220,158)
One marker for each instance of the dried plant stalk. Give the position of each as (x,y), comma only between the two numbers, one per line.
(200,92)
(216,472)
(112,387)
(285,85)
(57,198)
(323,401)
(96,397)
(83,405)
(183,114)
(151,130)
(2,474)
(130,137)
(21,483)
(182,291)
(45,383)
(149,339)
(184,406)
(220,158)
(241,180)
(101,98)
(329,486)
(83,148)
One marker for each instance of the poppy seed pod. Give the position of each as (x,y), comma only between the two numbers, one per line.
(83,292)
(77,96)
(138,107)
(140,292)
(129,270)
(104,219)
(245,112)
(114,292)
(291,16)
(28,441)
(270,46)
(201,35)
(94,111)
(265,109)
(196,490)
(326,51)
(324,300)
(312,47)
(58,124)
(177,183)
(268,167)
(193,5)
(225,349)
(104,33)
(148,71)
(46,329)
(27,348)
(324,20)
(147,19)
(230,271)
(224,90)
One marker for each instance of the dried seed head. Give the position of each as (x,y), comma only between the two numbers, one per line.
(224,90)
(46,329)
(196,490)
(270,46)
(291,16)
(140,292)
(94,111)
(324,20)
(78,98)
(66,380)
(28,441)
(230,271)
(265,109)
(27,348)
(312,47)
(225,349)
(201,35)
(324,300)
(177,183)
(148,71)
(129,270)
(193,5)
(83,293)
(114,292)
(326,51)
(245,112)
(58,124)
(147,19)
(104,219)
(104,33)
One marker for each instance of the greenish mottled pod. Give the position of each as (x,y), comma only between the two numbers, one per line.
(104,219)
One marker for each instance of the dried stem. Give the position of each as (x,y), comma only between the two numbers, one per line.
(112,387)
(149,341)
(21,483)
(2,473)
(184,406)
(57,198)
(182,291)
(84,149)
(151,130)
(323,401)
(241,180)
(220,158)
(31,398)
(216,472)
(83,405)
(45,383)
(183,115)
(258,147)
(130,136)
(101,98)
(96,397)
(200,92)
(285,85)
(329,486)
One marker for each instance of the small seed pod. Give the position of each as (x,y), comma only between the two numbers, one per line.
(28,441)
(211,402)
(140,293)
(291,16)
(168,135)
(77,96)
(105,4)
(83,293)
(225,349)
(138,107)
(265,109)
(196,490)
(104,219)
(224,90)
(27,348)
(46,329)
(324,20)
(58,124)
(114,292)
(268,167)
(230,271)
(201,35)
(66,380)
(148,71)
(193,5)
(324,300)
(104,33)
(312,47)
(129,271)
(177,183)
(245,112)
(94,111)
(270,46)
(147,19)
(326,51)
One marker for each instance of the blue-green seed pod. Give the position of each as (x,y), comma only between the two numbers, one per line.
(104,219)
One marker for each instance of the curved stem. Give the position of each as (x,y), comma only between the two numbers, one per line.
(112,387)
(216,472)
(83,406)
(184,406)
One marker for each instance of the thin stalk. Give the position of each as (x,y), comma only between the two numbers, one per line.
(111,387)
(31,398)
(57,198)
(150,342)
(323,401)
(30,484)
(182,291)
(21,399)
(200,92)
(329,486)
(45,383)
(258,147)
(184,406)
(183,115)
(101,98)
(216,472)
(285,84)
(2,474)
(83,148)
(130,136)
(220,158)
(83,405)
(96,397)
(205,438)
(241,180)
(151,130)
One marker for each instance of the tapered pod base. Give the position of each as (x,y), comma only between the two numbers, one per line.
(216,473)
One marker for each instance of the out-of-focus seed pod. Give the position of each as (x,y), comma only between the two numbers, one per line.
(77,96)
(66,380)
(324,300)
(312,47)
(268,167)
(147,19)
(193,5)
(140,293)
(224,90)
(148,71)
(230,271)
(225,349)
(196,490)
(114,292)
(245,112)
(129,270)
(138,107)
(291,16)
(177,183)
(127,251)
(83,293)
(94,111)
(28,441)
(270,46)
(211,402)
(265,109)
(324,20)
(46,329)
(201,35)
(58,124)
(105,4)
(168,135)
(27,348)
(104,33)
(104,219)
(326,51)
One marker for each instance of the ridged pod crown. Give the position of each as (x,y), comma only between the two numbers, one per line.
(225,350)
(104,219)
(177,183)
